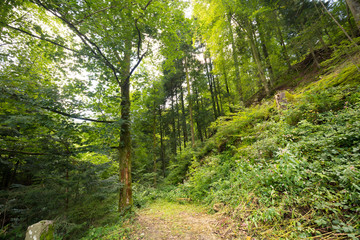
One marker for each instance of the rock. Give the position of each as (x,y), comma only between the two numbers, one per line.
(281,101)
(43,230)
(218,206)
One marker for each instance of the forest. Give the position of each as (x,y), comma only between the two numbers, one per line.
(248,109)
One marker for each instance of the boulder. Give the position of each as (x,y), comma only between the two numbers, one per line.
(43,230)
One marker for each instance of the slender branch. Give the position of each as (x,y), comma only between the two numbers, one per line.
(134,68)
(339,25)
(20,17)
(140,40)
(76,117)
(25,99)
(41,38)
(140,58)
(147,5)
(84,39)
(239,24)
(96,12)
(344,31)
(22,152)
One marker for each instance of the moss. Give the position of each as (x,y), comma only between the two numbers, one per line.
(49,234)
(289,97)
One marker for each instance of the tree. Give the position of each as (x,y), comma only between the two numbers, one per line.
(108,49)
(354,6)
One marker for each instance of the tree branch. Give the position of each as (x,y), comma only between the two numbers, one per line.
(96,12)
(134,68)
(239,24)
(339,25)
(85,40)
(139,36)
(147,5)
(76,117)
(26,100)
(22,152)
(140,58)
(41,38)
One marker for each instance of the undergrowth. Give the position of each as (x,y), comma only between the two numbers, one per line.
(285,174)
(280,174)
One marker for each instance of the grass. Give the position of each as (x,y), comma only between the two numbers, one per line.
(170,209)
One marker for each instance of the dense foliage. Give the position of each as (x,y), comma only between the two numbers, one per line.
(295,172)
(106,105)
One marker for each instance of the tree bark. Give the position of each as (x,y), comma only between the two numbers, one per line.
(353,28)
(162,149)
(314,56)
(354,6)
(216,90)
(190,105)
(174,136)
(266,54)
(256,56)
(183,117)
(235,59)
(154,146)
(204,107)
(282,42)
(197,118)
(211,88)
(216,80)
(125,195)
(178,119)
(230,100)
(339,25)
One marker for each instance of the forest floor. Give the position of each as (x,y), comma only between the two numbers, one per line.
(164,220)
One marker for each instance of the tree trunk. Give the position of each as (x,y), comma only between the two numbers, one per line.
(205,123)
(235,59)
(314,56)
(353,28)
(216,90)
(211,88)
(339,25)
(178,120)
(230,100)
(197,118)
(354,6)
(174,138)
(162,149)
(282,43)
(125,195)
(219,94)
(154,146)
(190,105)
(266,54)
(67,190)
(322,41)
(183,117)
(256,56)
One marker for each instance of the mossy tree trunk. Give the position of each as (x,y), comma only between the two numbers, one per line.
(125,194)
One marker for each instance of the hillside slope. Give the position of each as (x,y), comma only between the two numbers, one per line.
(290,173)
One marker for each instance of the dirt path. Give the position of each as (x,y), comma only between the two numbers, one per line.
(164,220)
